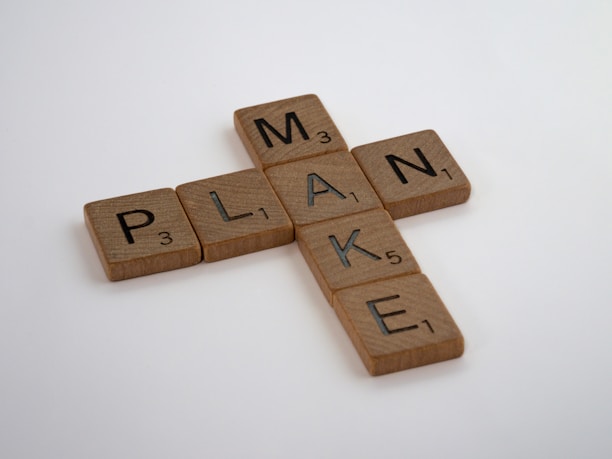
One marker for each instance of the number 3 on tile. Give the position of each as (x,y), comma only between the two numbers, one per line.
(325,138)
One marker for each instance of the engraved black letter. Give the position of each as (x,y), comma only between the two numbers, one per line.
(261,123)
(127,229)
(312,193)
(223,212)
(350,244)
(393,160)
(378,317)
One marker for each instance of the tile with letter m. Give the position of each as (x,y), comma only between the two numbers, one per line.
(287,130)
(354,250)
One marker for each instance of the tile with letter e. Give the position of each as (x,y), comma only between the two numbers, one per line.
(414,173)
(323,187)
(354,250)
(142,233)
(235,214)
(398,324)
(287,130)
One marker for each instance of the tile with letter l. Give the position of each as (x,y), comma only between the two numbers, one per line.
(287,130)
(142,233)
(398,324)
(354,250)
(323,187)
(235,214)
(414,173)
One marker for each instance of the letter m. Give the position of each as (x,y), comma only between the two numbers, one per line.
(290,117)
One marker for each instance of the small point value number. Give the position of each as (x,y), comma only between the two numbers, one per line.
(393,257)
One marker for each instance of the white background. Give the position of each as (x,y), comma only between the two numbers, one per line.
(244,358)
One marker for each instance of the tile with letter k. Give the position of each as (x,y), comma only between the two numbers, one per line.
(322,187)
(235,214)
(398,323)
(287,130)
(414,173)
(142,233)
(353,250)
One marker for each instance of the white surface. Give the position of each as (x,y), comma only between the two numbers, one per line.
(244,358)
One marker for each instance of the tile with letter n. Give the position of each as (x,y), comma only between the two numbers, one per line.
(287,130)
(414,173)
(142,233)
(398,324)
(235,214)
(323,187)
(354,250)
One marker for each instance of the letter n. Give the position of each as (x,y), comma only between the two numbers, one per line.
(426,168)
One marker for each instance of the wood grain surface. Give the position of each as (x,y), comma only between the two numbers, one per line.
(322,188)
(142,233)
(398,324)
(235,214)
(414,173)
(353,250)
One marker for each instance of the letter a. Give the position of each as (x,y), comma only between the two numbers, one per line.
(328,188)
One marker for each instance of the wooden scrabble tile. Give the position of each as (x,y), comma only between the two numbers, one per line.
(142,233)
(414,173)
(323,187)
(398,324)
(354,250)
(287,130)
(235,214)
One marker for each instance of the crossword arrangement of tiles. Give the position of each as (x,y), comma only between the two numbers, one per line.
(338,204)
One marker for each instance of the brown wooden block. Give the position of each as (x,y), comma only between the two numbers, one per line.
(398,324)
(414,173)
(354,250)
(287,130)
(323,187)
(142,233)
(235,214)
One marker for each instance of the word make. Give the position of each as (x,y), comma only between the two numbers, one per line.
(339,205)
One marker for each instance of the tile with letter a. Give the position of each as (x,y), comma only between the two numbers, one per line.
(142,233)
(398,324)
(414,173)
(355,250)
(287,130)
(235,214)
(323,187)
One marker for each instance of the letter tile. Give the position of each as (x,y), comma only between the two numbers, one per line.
(142,233)
(412,174)
(287,130)
(354,250)
(323,187)
(398,324)
(235,214)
